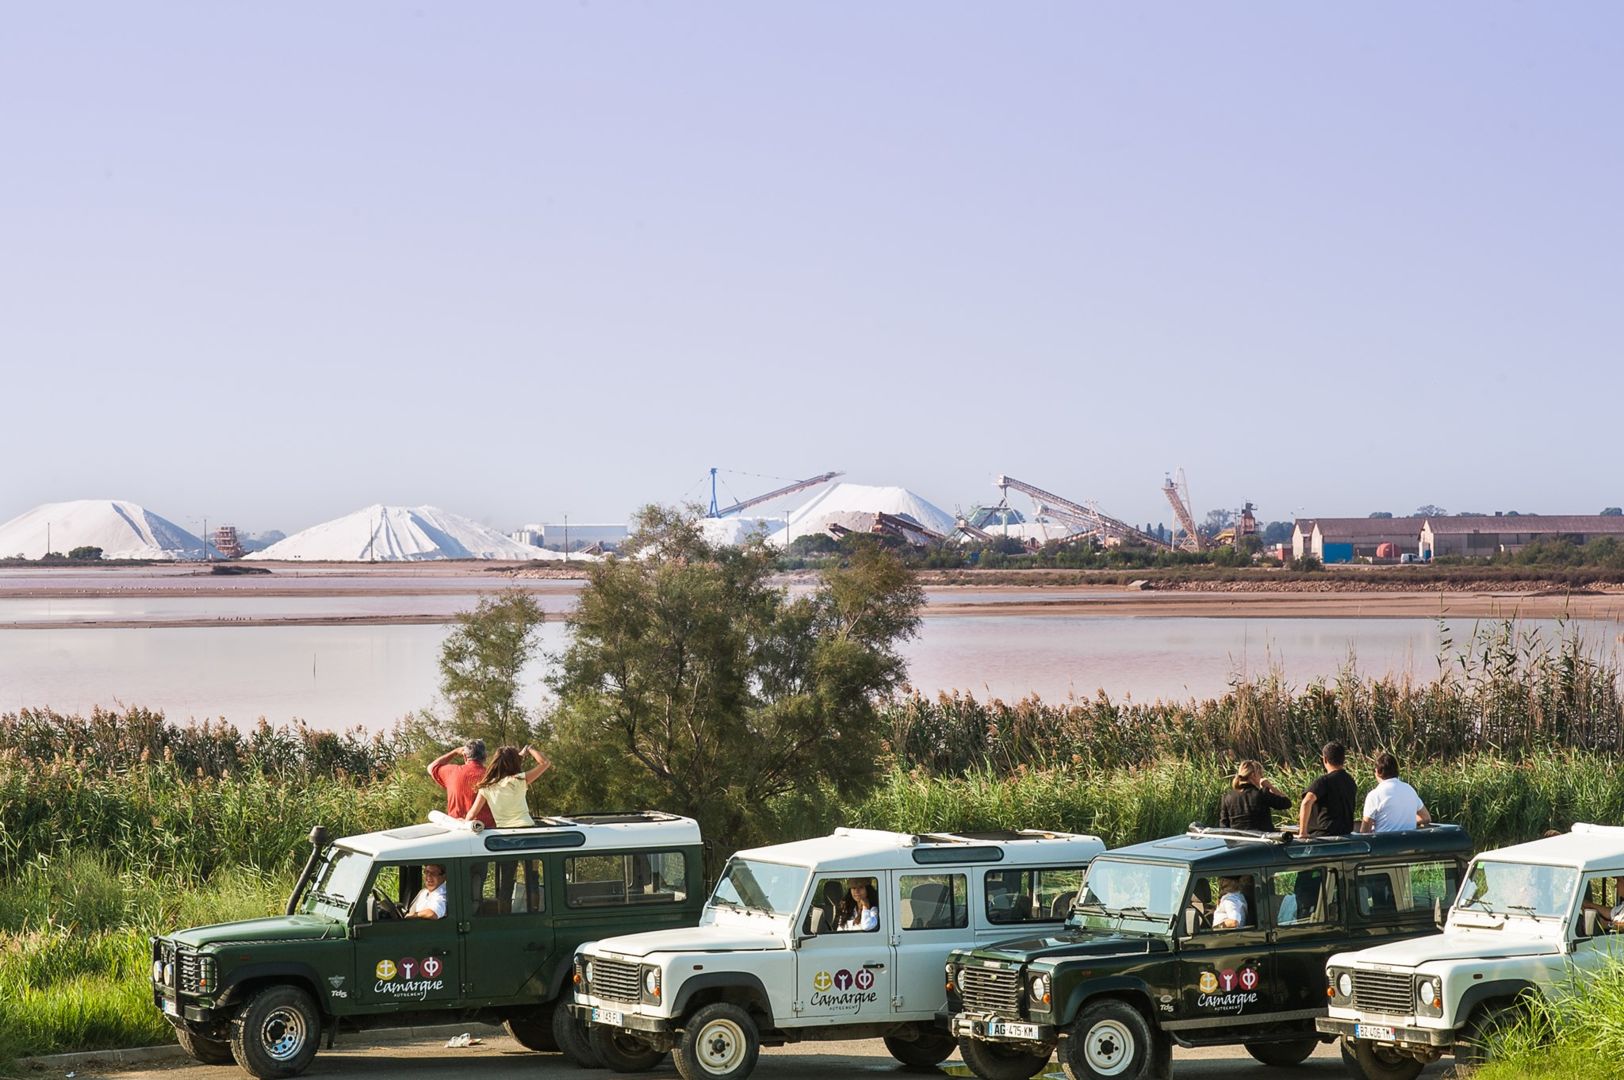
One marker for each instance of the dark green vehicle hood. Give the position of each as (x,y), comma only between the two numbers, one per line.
(276,928)
(1067,946)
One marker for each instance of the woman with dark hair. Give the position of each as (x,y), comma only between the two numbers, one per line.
(502,791)
(858,911)
(1250,800)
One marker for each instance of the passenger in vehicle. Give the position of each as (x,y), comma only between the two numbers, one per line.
(1613,917)
(1251,800)
(1392,805)
(858,911)
(429,903)
(1232,912)
(504,787)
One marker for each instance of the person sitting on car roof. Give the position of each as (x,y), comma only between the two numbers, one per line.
(1251,800)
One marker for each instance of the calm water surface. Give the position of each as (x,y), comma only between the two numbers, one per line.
(336,676)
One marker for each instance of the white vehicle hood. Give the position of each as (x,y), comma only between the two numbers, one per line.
(693,939)
(1470,945)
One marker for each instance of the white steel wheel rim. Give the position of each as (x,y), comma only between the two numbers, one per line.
(282,1033)
(720,1047)
(1108,1048)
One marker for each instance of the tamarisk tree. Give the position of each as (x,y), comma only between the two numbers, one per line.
(695,684)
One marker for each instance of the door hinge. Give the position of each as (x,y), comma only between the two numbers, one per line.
(795,1006)
(896,1003)
(464,927)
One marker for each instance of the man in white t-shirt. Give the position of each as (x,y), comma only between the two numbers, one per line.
(1392,805)
(429,903)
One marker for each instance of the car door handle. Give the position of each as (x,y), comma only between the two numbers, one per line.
(873,967)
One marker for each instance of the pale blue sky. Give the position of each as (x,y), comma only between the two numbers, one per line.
(269,264)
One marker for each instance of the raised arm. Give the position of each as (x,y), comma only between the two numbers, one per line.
(542,764)
(441,760)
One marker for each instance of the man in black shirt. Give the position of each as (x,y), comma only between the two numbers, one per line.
(1327,808)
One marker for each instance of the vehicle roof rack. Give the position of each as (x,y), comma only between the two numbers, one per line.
(1273,836)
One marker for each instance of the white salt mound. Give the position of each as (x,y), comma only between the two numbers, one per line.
(123,530)
(400,534)
(843,503)
(733,531)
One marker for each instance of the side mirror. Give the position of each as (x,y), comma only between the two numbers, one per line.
(1590,922)
(1438,912)
(1190,922)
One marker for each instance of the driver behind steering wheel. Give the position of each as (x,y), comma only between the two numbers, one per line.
(429,903)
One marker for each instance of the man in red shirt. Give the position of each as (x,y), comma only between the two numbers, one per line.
(461,781)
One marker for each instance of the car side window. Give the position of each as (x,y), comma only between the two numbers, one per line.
(1040,894)
(633,877)
(1304,897)
(1602,895)
(1406,889)
(933,901)
(508,887)
(1226,903)
(836,908)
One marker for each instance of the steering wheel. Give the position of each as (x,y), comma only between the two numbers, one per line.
(385,908)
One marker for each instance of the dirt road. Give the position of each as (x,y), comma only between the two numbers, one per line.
(499,1058)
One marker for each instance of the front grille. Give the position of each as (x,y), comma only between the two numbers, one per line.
(1383,992)
(617,980)
(988,990)
(188,966)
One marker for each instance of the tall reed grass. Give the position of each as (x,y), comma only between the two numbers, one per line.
(1508,690)
(1576,1030)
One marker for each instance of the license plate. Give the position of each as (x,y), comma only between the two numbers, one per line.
(1373,1031)
(1005,1029)
(612,1017)
(171,1007)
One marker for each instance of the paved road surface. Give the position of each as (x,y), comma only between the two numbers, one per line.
(499,1058)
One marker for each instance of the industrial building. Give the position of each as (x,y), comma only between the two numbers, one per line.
(1494,534)
(1340,540)
(573,536)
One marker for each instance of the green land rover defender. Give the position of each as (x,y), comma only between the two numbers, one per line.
(347,954)
(1212,937)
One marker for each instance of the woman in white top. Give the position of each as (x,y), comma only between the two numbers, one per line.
(503,788)
(861,914)
(1231,913)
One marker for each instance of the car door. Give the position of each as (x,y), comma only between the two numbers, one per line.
(507,930)
(404,963)
(932,919)
(1307,907)
(843,976)
(1225,974)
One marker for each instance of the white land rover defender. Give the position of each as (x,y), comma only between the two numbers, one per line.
(1526,919)
(783,953)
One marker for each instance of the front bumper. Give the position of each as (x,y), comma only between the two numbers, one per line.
(178,1010)
(976,1026)
(1403,1035)
(629,1021)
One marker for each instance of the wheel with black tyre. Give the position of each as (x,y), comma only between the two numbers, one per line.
(202,1049)
(276,1033)
(1000,1061)
(1282,1054)
(1480,1039)
(623,1051)
(719,1042)
(927,1048)
(1112,1040)
(569,1033)
(1377,1062)
(533,1028)
(1349,1062)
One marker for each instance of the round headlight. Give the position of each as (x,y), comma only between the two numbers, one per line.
(157,971)
(1344,984)
(651,982)
(586,971)
(169,973)
(1426,993)
(1040,989)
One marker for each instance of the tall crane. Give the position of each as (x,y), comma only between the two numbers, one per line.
(1088,518)
(788,489)
(1179,495)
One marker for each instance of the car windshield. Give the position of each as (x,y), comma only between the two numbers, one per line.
(338,883)
(1124,889)
(1508,888)
(751,885)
